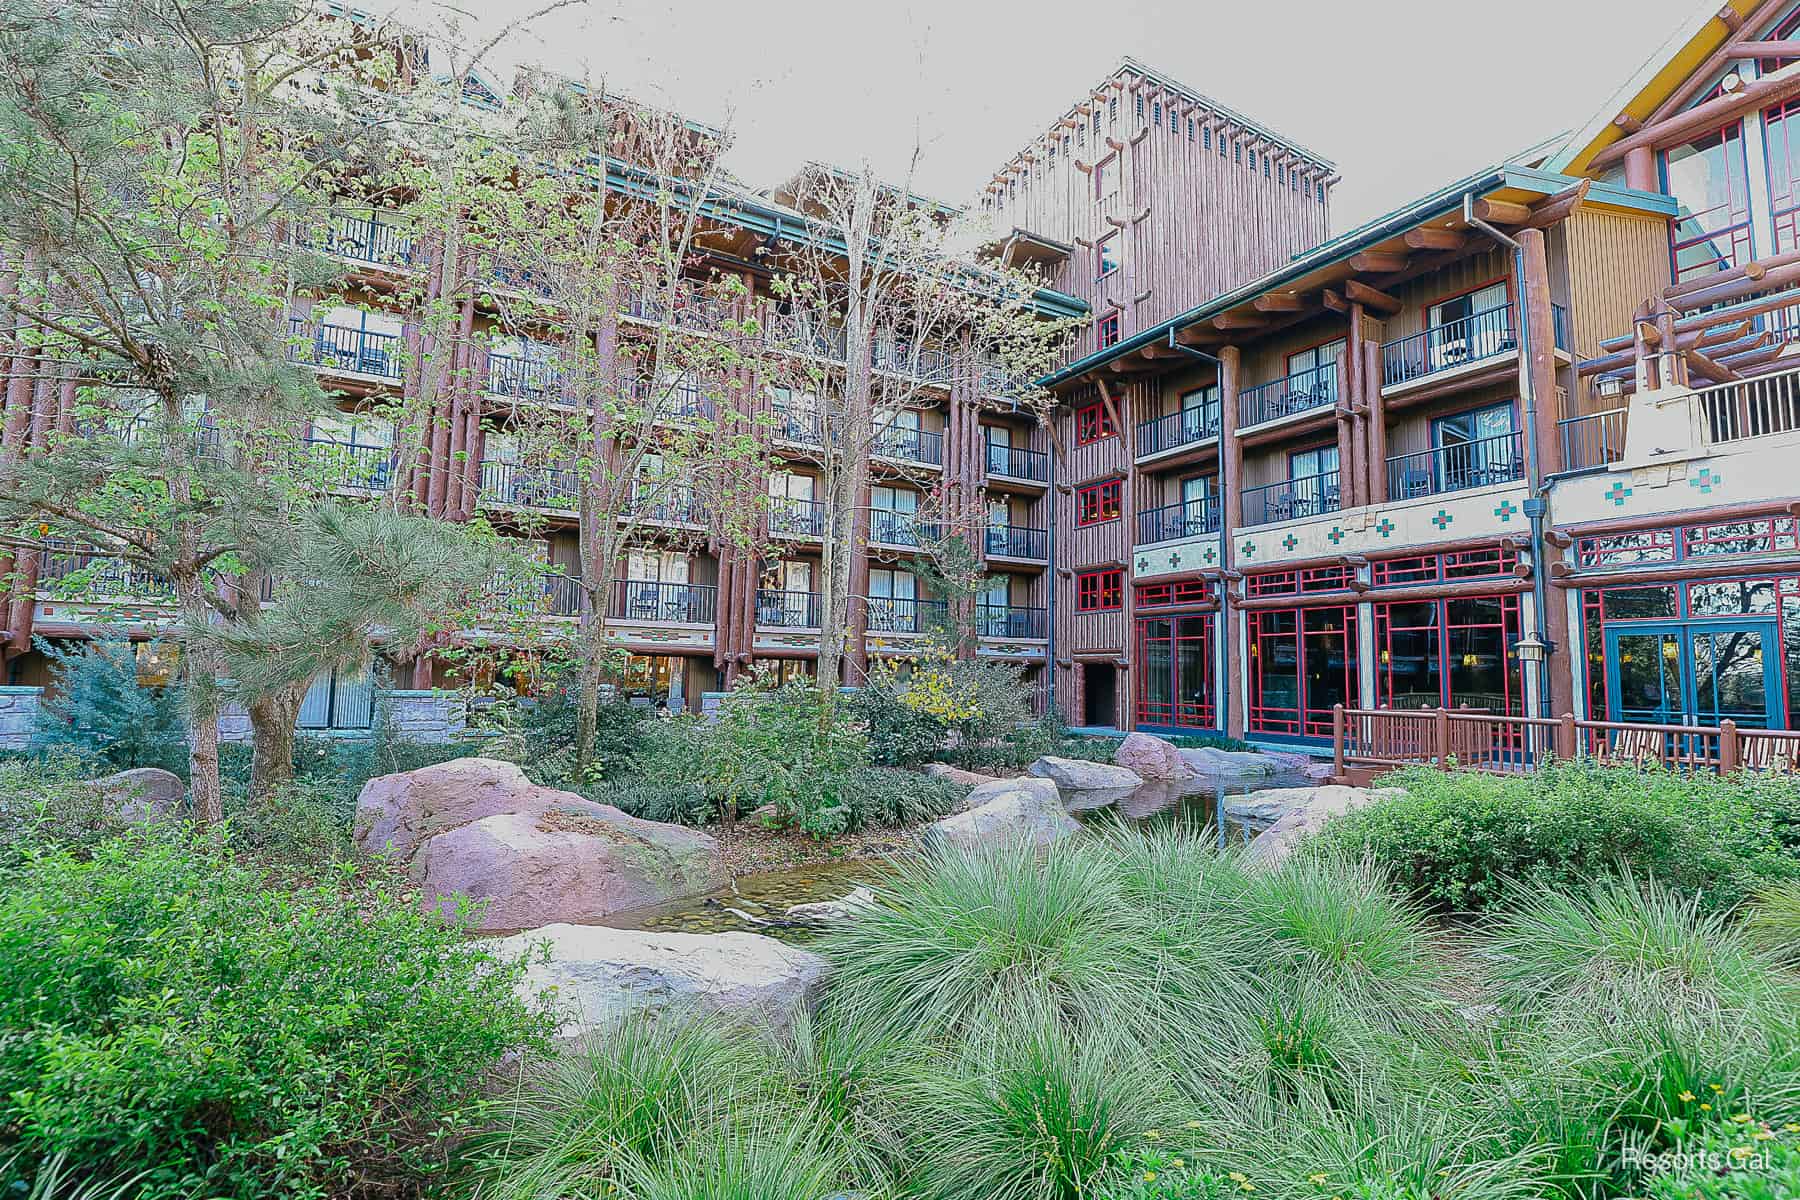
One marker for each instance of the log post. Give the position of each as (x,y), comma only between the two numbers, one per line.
(1640,169)
(1231,515)
(1441,736)
(1728,746)
(1349,447)
(1566,737)
(1542,364)
(1337,742)
(1378,482)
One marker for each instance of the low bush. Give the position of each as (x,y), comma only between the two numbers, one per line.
(792,746)
(299,828)
(1465,841)
(675,802)
(933,705)
(99,710)
(48,801)
(165,1016)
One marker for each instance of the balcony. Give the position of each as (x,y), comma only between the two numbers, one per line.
(797,424)
(791,516)
(900,529)
(926,363)
(1016,462)
(364,238)
(1298,393)
(805,333)
(339,348)
(1188,427)
(903,614)
(1291,499)
(692,310)
(532,379)
(517,485)
(353,467)
(993,380)
(1477,338)
(1749,408)
(1011,621)
(909,445)
(672,506)
(1190,518)
(91,573)
(1593,440)
(1480,463)
(677,603)
(787,610)
(1018,541)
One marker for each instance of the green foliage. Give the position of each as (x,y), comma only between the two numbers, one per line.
(885,797)
(96,707)
(1774,921)
(299,827)
(1732,1159)
(935,706)
(163,1012)
(539,732)
(1465,839)
(678,802)
(48,801)
(791,746)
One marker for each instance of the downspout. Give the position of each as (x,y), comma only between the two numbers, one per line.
(1535,506)
(1222,685)
(1050,711)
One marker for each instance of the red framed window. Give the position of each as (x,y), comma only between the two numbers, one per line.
(1173,595)
(1486,562)
(1449,654)
(1100,591)
(1174,672)
(1302,665)
(1310,581)
(1093,423)
(1098,503)
(1678,543)
(1709,180)
(1107,252)
(1109,330)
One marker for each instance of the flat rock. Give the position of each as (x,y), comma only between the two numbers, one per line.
(140,795)
(1009,818)
(1045,789)
(596,976)
(956,775)
(1271,804)
(1301,818)
(1150,757)
(1076,775)
(1209,760)
(832,912)
(394,813)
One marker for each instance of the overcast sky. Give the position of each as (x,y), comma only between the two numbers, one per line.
(1404,95)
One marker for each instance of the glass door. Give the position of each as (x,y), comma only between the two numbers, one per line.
(1734,669)
(1693,673)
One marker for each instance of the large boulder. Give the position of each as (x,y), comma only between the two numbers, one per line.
(595,976)
(1271,804)
(1210,760)
(140,796)
(1303,813)
(394,813)
(1076,775)
(1044,789)
(1018,815)
(1150,757)
(956,775)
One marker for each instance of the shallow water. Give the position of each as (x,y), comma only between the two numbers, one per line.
(766,896)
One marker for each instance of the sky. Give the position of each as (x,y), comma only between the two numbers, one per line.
(1404,95)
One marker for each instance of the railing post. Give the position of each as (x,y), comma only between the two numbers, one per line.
(1441,729)
(1565,738)
(1728,746)
(1337,741)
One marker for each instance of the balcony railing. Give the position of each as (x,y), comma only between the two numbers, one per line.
(1174,429)
(1491,333)
(339,348)
(1298,393)
(101,575)
(994,380)
(910,445)
(1306,496)
(671,506)
(1484,461)
(900,529)
(787,610)
(1010,621)
(525,486)
(366,238)
(1016,462)
(1018,541)
(798,424)
(523,378)
(343,465)
(805,333)
(1190,518)
(901,614)
(915,362)
(1593,440)
(691,310)
(1747,408)
(796,517)
(648,600)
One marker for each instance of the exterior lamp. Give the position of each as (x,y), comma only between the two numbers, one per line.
(1532,649)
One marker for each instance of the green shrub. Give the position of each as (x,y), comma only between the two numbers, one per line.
(935,706)
(301,827)
(791,746)
(1729,1160)
(48,802)
(96,708)
(538,733)
(1462,840)
(879,797)
(677,803)
(163,1014)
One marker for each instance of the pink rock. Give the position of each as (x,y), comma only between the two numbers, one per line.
(396,812)
(1150,757)
(956,775)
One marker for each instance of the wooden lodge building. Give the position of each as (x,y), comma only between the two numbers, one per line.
(1521,446)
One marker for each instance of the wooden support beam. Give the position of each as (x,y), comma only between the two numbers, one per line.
(1628,123)
(1707,115)
(1502,212)
(1279,302)
(1239,320)
(1334,301)
(1755,269)
(1378,262)
(1560,206)
(1737,289)
(1706,320)
(1196,335)
(1709,368)
(1699,339)
(1744,50)
(1361,293)
(1428,238)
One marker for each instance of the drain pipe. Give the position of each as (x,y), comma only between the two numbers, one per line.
(1225,696)
(1535,506)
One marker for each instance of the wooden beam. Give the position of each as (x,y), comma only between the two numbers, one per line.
(1763,50)
(1717,372)
(1628,123)
(1239,320)
(1334,301)
(1272,302)
(1560,206)
(1706,320)
(1196,335)
(1429,238)
(1704,74)
(1755,269)
(1361,293)
(1378,262)
(1708,114)
(1738,289)
(1502,212)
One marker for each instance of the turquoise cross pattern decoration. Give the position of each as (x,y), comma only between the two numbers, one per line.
(1506,510)
(1337,535)
(1704,481)
(1385,527)
(1618,493)
(1442,520)
(1248,549)
(1289,542)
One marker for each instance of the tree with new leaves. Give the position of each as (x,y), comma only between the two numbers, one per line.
(894,286)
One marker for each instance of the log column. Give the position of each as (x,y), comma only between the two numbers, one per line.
(1640,169)
(1535,292)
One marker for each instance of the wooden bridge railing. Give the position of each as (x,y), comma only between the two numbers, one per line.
(1467,740)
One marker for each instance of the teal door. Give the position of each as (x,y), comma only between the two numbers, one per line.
(1693,673)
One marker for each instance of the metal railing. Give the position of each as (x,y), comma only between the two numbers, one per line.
(1490,333)
(100,575)
(358,467)
(671,506)
(805,333)
(523,378)
(339,348)
(1593,439)
(1018,541)
(1010,621)
(796,517)
(994,380)
(904,614)
(1189,518)
(909,445)
(900,529)
(1747,408)
(1177,429)
(525,486)
(366,238)
(1306,496)
(1298,393)
(1484,461)
(787,610)
(926,363)
(797,423)
(649,600)
(1499,743)
(1016,462)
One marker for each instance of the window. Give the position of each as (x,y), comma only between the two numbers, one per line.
(1475,325)
(1709,181)
(1265,166)
(1100,591)
(339,699)
(1200,413)
(1321,193)
(1206,137)
(1093,423)
(1112,109)
(1281,175)
(1490,562)
(1109,330)
(1106,178)
(1449,654)
(1237,153)
(1155,112)
(1302,664)
(1172,595)
(1175,672)
(1313,464)
(1783,130)
(1139,99)
(1253,160)
(1098,503)
(1106,251)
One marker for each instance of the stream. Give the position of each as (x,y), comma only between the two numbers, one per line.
(767,895)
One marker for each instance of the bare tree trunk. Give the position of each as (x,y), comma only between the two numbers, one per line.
(272,719)
(205,795)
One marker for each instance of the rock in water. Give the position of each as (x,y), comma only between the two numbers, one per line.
(1075,775)
(1303,812)
(1012,816)
(1209,760)
(595,976)
(1150,757)
(829,912)
(140,796)
(1043,788)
